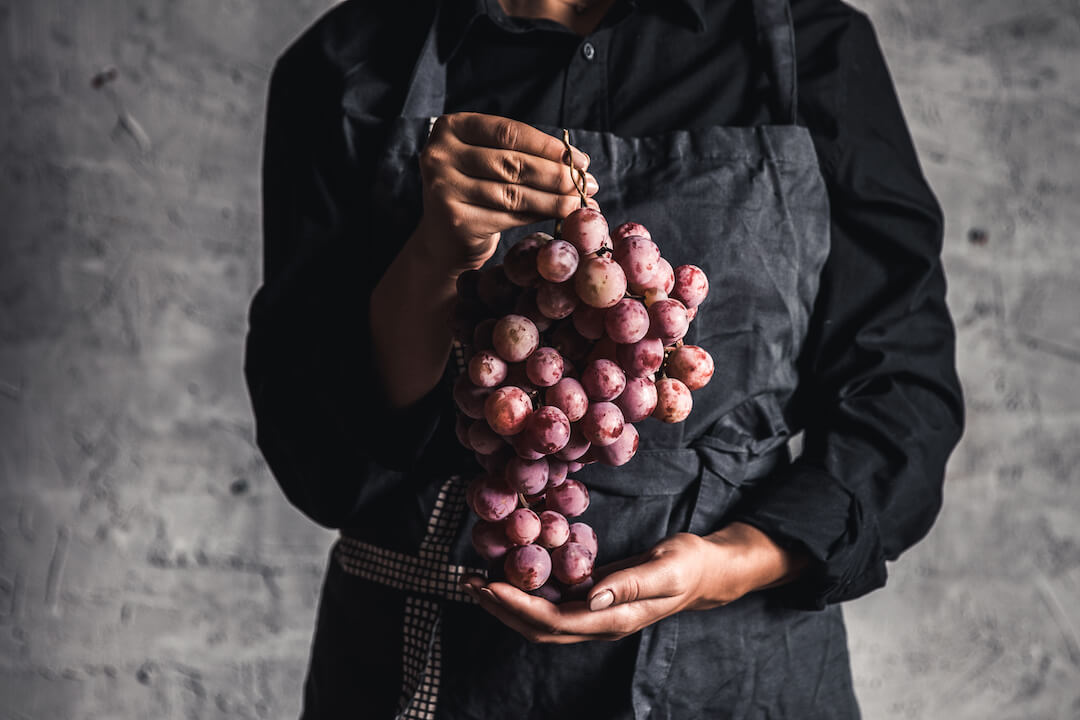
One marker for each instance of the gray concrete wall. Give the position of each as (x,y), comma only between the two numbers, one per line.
(149,566)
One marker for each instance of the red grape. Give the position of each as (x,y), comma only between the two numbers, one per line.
(491,499)
(527,477)
(567,341)
(585,229)
(545,367)
(549,591)
(691,364)
(641,359)
(515,337)
(668,320)
(526,305)
(556,301)
(554,529)
(569,396)
(602,424)
(557,470)
(600,282)
(638,399)
(627,321)
(583,534)
(490,540)
(469,398)
(557,261)
(495,463)
(520,261)
(486,369)
(577,446)
(664,279)
(527,566)
(571,498)
(461,429)
(579,591)
(589,321)
(547,430)
(571,563)
(673,400)
(523,448)
(483,439)
(640,260)
(626,230)
(691,285)
(507,409)
(603,379)
(523,526)
(619,452)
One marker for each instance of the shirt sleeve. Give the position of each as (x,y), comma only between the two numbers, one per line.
(879,397)
(322,420)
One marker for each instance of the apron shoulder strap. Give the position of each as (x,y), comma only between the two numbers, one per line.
(776,36)
(426,97)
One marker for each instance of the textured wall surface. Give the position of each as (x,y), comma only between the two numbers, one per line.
(149,566)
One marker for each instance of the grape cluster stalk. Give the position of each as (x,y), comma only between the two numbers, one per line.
(571,340)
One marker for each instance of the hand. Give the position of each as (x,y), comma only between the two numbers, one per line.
(683,572)
(484,174)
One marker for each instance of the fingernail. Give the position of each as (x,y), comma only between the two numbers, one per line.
(489,595)
(593,204)
(470,591)
(581,160)
(591,186)
(601,601)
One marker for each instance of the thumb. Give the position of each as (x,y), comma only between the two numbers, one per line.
(653,578)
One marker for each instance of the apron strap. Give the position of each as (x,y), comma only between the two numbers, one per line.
(426,97)
(776,36)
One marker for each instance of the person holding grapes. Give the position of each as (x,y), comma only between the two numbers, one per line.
(409,145)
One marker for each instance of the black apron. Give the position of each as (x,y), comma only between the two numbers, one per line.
(749,206)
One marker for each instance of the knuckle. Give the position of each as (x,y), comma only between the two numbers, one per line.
(512,168)
(512,196)
(507,133)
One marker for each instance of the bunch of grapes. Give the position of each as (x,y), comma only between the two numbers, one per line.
(570,342)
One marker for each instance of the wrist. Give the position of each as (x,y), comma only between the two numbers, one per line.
(749,560)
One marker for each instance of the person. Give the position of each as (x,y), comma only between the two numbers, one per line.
(409,142)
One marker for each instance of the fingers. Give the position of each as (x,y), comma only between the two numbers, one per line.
(661,575)
(518,168)
(502,133)
(511,198)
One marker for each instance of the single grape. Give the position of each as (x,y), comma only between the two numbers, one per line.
(515,337)
(545,367)
(604,349)
(569,342)
(469,398)
(603,380)
(550,592)
(507,409)
(495,463)
(691,285)
(571,563)
(585,229)
(640,260)
(627,321)
(571,498)
(638,399)
(461,429)
(481,339)
(527,567)
(527,477)
(495,289)
(486,369)
(673,400)
(579,591)
(526,305)
(523,526)
(557,261)
(533,500)
(691,313)
(589,321)
(577,446)
(626,230)
(619,452)
(556,472)
(691,364)
(583,534)
(569,396)
(490,540)
(642,358)
(554,529)
(491,498)
(556,301)
(520,261)
(602,424)
(468,283)
(600,282)
(547,430)
(517,374)
(573,466)
(664,279)
(483,439)
(668,321)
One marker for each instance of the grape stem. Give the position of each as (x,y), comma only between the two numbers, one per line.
(579,178)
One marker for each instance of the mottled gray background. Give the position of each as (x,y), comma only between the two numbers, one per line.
(149,566)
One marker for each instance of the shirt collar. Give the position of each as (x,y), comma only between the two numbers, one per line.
(457,16)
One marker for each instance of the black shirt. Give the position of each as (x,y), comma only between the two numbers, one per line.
(879,397)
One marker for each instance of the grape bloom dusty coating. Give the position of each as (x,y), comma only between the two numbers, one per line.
(569,343)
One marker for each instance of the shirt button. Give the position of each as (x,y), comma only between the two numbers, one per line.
(588,51)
